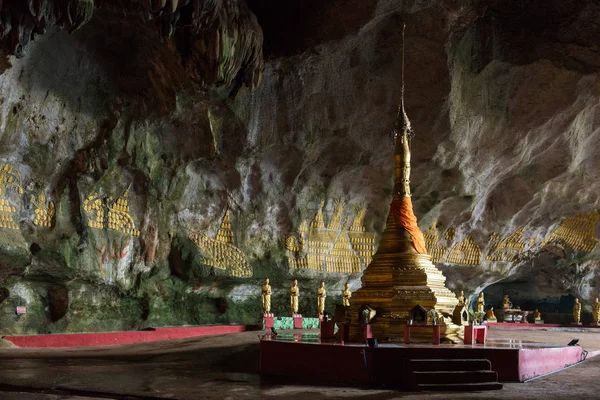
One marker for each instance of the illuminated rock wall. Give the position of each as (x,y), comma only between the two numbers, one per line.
(503,100)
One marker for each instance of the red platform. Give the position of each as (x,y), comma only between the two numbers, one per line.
(409,328)
(327,328)
(297,321)
(116,338)
(475,334)
(269,320)
(306,357)
(532,327)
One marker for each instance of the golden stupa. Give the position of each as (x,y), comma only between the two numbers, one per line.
(401,283)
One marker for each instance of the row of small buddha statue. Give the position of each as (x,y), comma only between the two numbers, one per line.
(295,297)
(595,311)
(490,316)
(507,304)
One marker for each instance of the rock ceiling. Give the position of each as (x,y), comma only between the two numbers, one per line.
(218,40)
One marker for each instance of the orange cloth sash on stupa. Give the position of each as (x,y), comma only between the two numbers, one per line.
(404,217)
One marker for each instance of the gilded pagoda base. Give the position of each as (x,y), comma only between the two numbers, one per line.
(403,287)
(393,331)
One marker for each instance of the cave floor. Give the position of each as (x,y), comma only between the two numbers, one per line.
(224,367)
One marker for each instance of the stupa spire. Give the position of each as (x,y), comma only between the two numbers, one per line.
(401,281)
(402,135)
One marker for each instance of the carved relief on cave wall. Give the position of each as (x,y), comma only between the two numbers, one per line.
(339,247)
(44,212)
(508,249)
(465,252)
(576,232)
(221,252)
(436,250)
(10,180)
(114,215)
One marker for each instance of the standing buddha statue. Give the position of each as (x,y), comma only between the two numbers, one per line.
(596,311)
(577,311)
(480,303)
(346,294)
(321,295)
(266,296)
(461,299)
(294,297)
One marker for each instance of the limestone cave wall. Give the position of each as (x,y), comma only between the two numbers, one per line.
(144,122)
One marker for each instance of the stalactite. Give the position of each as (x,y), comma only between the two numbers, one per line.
(220,41)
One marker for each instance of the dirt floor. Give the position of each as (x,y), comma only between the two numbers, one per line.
(225,367)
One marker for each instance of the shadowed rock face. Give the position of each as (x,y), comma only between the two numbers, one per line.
(503,99)
(218,41)
(58,302)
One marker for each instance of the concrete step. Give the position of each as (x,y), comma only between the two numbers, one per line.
(452,377)
(449,365)
(460,387)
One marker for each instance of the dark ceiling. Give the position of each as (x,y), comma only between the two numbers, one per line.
(291,27)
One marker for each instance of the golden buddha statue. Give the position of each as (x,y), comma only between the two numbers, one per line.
(506,302)
(321,296)
(480,303)
(596,311)
(577,311)
(294,297)
(346,294)
(266,296)
(537,316)
(490,314)
(461,299)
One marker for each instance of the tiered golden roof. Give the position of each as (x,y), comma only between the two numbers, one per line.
(437,251)
(358,222)
(220,252)
(318,222)
(576,232)
(342,257)
(43,213)
(395,283)
(450,234)
(465,252)
(507,249)
(363,244)
(10,178)
(399,280)
(225,234)
(335,223)
(334,248)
